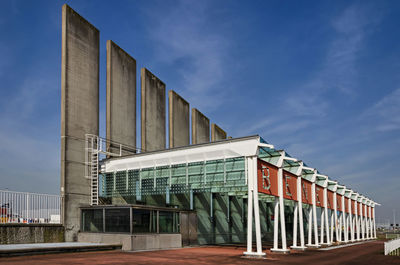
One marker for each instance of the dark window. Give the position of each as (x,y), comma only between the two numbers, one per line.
(144,221)
(168,222)
(92,220)
(117,220)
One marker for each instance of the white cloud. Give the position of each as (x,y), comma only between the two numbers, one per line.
(385,114)
(338,73)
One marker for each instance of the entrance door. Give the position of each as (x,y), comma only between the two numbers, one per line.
(188,228)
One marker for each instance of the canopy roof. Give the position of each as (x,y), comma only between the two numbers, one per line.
(225,149)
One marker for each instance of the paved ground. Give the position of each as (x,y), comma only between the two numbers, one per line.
(368,253)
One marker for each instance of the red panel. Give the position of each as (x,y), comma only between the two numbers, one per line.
(368,211)
(353,207)
(267,178)
(346,204)
(306,191)
(339,202)
(319,196)
(330,200)
(359,209)
(289,186)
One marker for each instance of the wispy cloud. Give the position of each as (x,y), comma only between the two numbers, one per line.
(184,38)
(339,71)
(385,113)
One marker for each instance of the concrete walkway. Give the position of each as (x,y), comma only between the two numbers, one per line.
(368,253)
(43,248)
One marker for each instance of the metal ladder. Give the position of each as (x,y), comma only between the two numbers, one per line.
(92,166)
(94,147)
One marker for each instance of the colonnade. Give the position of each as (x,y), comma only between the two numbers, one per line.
(345,215)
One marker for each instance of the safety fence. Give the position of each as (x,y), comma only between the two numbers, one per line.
(29,208)
(392,247)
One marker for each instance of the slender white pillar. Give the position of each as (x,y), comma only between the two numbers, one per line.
(345,229)
(300,202)
(336,217)
(370,222)
(249,210)
(351,222)
(314,220)
(276,222)
(309,225)
(332,226)
(362,222)
(256,207)
(282,214)
(356,217)
(296,206)
(298,212)
(253,197)
(328,241)
(322,220)
(340,226)
(282,209)
(373,210)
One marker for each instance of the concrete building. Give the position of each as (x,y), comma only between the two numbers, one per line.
(79,111)
(219,192)
(217,133)
(200,127)
(121,98)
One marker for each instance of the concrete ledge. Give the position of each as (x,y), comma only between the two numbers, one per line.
(48,248)
(135,242)
(19,233)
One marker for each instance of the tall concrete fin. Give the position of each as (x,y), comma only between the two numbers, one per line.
(79,112)
(217,133)
(152,112)
(121,98)
(179,131)
(200,127)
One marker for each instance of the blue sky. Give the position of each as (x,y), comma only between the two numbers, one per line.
(317,78)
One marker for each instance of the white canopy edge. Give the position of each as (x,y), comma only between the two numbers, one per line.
(230,148)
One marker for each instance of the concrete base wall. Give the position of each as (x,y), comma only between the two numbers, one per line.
(24,234)
(135,242)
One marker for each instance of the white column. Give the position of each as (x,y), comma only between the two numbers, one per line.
(249,210)
(370,222)
(296,206)
(345,229)
(328,241)
(276,222)
(309,225)
(373,210)
(340,226)
(322,220)
(362,222)
(281,213)
(351,222)
(298,212)
(300,202)
(256,207)
(336,219)
(314,219)
(332,226)
(356,217)
(282,209)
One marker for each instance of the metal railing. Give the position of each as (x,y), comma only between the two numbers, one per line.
(392,247)
(29,208)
